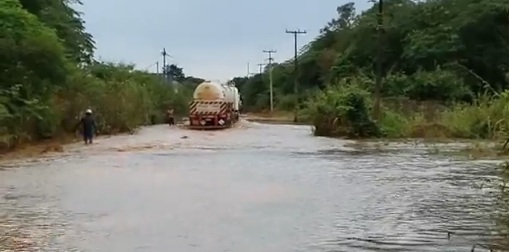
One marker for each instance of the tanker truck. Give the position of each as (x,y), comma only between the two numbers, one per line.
(214,106)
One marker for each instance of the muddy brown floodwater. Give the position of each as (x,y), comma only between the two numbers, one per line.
(259,188)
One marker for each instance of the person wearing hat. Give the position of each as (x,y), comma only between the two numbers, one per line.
(88,126)
(170,117)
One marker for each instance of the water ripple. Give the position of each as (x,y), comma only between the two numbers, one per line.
(255,188)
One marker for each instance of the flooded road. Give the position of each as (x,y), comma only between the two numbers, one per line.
(258,188)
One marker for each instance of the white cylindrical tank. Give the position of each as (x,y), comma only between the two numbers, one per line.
(240,101)
(208,90)
(236,96)
(229,94)
(232,95)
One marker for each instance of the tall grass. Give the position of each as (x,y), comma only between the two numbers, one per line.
(344,109)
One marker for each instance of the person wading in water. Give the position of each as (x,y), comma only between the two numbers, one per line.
(88,127)
(170,117)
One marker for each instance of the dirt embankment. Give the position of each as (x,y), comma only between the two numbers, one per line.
(33,149)
(58,144)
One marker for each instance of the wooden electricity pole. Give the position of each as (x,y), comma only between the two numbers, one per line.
(296,74)
(270,52)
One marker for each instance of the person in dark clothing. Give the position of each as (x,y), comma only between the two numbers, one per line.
(88,127)
(170,117)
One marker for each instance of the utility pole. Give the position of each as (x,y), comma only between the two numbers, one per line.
(378,80)
(157,68)
(248,73)
(296,75)
(165,77)
(261,67)
(270,52)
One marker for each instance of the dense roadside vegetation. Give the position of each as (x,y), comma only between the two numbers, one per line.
(48,78)
(445,68)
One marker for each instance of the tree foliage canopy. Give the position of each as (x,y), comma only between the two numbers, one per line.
(49,77)
(432,50)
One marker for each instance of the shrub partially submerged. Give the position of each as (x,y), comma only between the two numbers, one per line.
(342,110)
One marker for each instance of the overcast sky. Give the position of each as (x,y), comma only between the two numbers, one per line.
(212,39)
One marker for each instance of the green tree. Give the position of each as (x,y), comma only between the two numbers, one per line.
(425,41)
(173,72)
(48,78)
(68,24)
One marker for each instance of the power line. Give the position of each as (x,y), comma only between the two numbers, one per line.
(296,75)
(270,52)
(151,65)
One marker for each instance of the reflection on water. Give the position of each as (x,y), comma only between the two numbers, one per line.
(253,188)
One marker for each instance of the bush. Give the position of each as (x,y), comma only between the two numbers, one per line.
(48,78)
(120,104)
(393,125)
(342,110)
(486,118)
